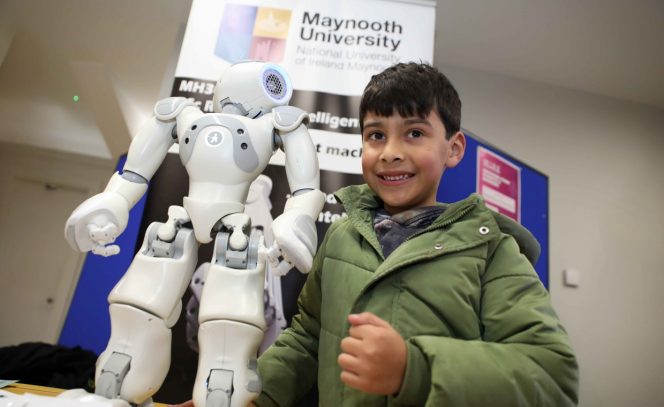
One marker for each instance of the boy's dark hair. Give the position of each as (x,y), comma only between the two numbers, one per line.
(412,89)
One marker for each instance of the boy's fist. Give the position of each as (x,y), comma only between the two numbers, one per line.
(374,355)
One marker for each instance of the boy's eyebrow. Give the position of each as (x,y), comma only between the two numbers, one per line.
(416,120)
(410,120)
(372,124)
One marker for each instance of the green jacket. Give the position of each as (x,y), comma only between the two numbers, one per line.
(479,326)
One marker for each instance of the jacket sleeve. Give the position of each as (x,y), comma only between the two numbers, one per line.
(289,367)
(522,359)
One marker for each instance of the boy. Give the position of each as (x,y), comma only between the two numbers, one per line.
(412,302)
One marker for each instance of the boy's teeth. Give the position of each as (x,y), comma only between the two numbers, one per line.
(396,177)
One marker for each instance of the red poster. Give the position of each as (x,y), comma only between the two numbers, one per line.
(499,182)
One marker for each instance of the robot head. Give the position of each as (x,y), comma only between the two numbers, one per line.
(252,88)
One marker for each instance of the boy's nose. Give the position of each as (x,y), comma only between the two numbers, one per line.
(391,152)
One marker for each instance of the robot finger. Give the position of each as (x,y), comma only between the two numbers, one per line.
(297,253)
(282,268)
(106,251)
(272,254)
(102,234)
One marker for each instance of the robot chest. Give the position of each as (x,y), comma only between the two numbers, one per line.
(223,145)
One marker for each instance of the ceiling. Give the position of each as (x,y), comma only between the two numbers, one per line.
(119,57)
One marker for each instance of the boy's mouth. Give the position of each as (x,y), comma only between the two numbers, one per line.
(395,177)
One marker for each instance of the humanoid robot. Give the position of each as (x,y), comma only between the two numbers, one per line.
(223,152)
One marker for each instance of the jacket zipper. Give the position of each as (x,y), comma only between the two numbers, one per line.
(374,280)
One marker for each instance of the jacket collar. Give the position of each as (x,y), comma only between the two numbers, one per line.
(361,203)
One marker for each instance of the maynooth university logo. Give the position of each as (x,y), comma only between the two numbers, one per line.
(250,32)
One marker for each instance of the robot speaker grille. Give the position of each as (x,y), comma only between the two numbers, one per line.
(274,83)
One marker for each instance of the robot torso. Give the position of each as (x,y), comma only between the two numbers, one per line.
(223,154)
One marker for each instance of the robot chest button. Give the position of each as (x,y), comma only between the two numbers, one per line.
(215,138)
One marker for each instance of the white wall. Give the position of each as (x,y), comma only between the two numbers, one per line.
(39,271)
(605,167)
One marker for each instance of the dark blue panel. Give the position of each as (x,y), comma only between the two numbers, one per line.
(459,182)
(88,323)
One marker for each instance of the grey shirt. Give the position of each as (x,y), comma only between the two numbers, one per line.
(393,230)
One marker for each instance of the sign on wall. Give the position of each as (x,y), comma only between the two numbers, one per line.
(499,182)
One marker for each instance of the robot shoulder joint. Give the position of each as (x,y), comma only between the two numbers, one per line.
(170,108)
(288,118)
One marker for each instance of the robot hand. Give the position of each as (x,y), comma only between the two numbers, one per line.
(295,240)
(97,222)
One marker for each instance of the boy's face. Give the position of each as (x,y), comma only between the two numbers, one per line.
(403,158)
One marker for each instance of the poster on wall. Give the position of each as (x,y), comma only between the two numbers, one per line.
(499,182)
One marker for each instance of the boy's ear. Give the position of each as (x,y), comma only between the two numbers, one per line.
(457,149)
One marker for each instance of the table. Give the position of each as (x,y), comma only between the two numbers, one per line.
(21,388)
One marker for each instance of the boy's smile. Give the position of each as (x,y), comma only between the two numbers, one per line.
(403,158)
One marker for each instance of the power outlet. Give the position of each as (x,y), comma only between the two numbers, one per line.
(571,277)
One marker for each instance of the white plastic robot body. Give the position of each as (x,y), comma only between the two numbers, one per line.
(173,275)
(252,89)
(258,207)
(223,153)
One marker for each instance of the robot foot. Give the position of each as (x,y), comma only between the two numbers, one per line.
(112,376)
(220,388)
(227,378)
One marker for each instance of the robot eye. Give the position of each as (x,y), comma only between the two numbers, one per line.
(274,83)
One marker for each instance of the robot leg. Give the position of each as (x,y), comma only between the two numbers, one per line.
(144,305)
(232,324)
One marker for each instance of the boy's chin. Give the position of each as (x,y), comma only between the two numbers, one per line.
(395,206)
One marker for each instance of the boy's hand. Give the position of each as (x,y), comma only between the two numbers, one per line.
(374,355)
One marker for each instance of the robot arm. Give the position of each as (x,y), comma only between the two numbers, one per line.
(96,223)
(295,230)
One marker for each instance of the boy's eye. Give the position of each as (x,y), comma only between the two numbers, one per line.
(415,133)
(375,136)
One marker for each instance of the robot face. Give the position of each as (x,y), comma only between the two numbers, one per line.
(252,89)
